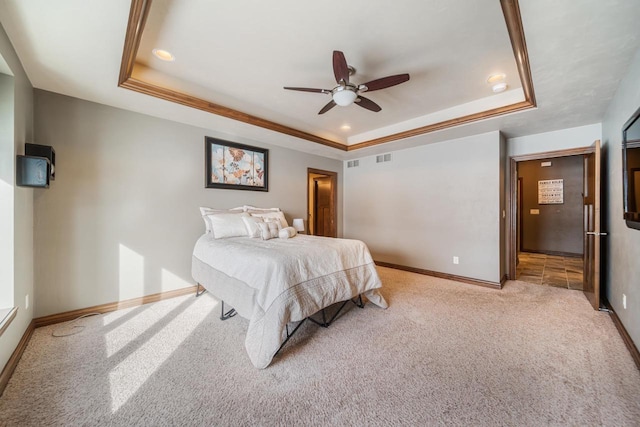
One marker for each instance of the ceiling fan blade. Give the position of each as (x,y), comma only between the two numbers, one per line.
(327,107)
(386,82)
(340,67)
(308,89)
(368,104)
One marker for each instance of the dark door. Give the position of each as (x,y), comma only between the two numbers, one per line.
(323,217)
(322,197)
(520,207)
(592,226)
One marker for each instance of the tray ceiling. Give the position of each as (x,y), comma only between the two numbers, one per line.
(240,62)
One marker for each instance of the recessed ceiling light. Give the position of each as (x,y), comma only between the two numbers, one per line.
(495,78)
(499,87)
(163,55)
(345,127)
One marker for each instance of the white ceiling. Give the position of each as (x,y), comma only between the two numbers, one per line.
(240,53)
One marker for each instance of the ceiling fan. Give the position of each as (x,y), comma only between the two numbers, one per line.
(347,93)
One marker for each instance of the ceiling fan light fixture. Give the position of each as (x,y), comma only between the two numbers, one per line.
(344,95)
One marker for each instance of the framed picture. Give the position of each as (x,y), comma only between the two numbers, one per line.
(235,166)
(551,192)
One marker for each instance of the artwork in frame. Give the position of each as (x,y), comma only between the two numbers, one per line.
(235,166)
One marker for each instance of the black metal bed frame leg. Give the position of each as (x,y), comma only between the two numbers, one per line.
(325,324)
(229,314)
(289,335)
(198,291)
(359,302)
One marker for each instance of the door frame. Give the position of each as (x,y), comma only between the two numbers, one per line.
(512,249)
(332,201)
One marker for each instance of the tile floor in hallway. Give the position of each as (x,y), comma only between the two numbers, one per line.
(550,270)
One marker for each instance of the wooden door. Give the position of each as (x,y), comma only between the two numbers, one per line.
(592,232)
(322,197)
(323,218)
(520,216)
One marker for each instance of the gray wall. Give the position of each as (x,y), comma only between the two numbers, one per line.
(557,228)
(22,222)
(622,244)
(564,139)
(121,218)
(429,204)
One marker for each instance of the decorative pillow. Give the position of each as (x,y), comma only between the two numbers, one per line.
(251,222)
(228,225)
(269,230)
(275,215)
(204,211)
(287,233)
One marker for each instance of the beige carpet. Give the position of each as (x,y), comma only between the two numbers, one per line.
(443,353)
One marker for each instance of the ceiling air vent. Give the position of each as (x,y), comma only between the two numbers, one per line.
(353,163)
(383,158)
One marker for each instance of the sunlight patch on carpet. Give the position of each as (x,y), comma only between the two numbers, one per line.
(129,375)
(113,316)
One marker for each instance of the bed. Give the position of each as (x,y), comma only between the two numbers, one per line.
(278,281)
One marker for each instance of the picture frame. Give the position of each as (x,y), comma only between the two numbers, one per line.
(551,192)
(233,166)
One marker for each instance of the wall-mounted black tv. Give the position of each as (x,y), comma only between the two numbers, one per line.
(631,170)
(32,171)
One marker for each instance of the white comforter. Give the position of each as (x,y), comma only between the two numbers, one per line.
(277,281)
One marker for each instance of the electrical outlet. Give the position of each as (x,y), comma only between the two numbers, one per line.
(624,301)
(26,301)
(456,260)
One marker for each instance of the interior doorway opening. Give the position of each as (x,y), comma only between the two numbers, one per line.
(562,262)
(322,190)
(550,216)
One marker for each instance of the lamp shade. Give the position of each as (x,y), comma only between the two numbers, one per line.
(298,224)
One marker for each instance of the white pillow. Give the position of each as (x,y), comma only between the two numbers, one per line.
(269,230)
(204,211)
(252,209)
(225,225)
(251,222)
(275,215)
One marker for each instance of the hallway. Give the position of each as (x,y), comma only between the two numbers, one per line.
(550,270)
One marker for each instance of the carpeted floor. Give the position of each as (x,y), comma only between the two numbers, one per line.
(443,353)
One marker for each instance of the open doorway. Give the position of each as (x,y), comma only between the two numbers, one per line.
(322,190)
(563,254)
(550,221)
